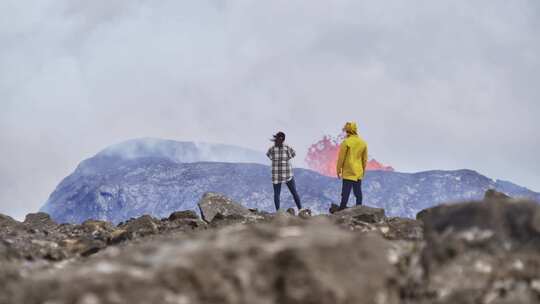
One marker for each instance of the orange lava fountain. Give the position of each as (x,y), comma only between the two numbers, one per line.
(322,157)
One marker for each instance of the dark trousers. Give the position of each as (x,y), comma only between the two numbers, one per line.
(292,187)
(349,185)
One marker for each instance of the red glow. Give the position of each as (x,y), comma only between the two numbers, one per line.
(322,157)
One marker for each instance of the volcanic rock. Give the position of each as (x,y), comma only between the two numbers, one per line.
(188,214)
(333,209)
(402,229)
(119,235)
(362,213)
(291,211)
(477,252)
(492,194)
(482,252)
(141,226)
(304,213)
(512,225)
(40,221)
(7,221)
(8,225)
(83,246)
(310,263)
(212,203)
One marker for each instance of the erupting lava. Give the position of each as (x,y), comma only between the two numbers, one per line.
(322,157)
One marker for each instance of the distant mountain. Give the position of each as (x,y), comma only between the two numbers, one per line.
(157,177)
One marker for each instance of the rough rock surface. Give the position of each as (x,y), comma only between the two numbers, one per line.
(480,252)
(39,220)
(362,213)
(494,194)
(212,204)
(314,262)
(188,214)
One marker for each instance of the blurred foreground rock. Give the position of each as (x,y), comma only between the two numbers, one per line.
(309,262)
(477,252)
(483,252)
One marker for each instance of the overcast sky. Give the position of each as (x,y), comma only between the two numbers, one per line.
(432,84)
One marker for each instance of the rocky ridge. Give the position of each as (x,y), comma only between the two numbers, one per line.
(476,252)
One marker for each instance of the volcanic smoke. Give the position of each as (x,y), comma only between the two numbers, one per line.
(322,157)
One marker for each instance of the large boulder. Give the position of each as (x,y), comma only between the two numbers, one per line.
(212,204)
(506,224)
(482,252)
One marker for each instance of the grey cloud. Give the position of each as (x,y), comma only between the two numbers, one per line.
(433,84)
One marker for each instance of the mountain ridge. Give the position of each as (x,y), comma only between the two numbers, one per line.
(158,186)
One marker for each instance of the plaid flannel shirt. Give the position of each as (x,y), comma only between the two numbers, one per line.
(281,167)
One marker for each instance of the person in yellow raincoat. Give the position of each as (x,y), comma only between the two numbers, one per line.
(351,164)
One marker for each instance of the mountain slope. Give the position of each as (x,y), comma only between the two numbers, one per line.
(114,188)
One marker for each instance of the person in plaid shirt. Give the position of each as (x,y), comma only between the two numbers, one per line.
(282,172)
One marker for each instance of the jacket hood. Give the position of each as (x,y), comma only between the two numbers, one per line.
(351,128)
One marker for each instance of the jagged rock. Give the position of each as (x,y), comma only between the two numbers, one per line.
(489,195)
(462,253)
(512,224)
(291,211)
(492,194)
(260,213)
(141,226)
(425,212)
(94,226)
(119,235)
(314,262)
(471,248)
(213,203)
(333,209)
(40,221)
(304,213)
(397,228)
(184,224)
(99,230)
(187,214)
(7,221)
(362,213)
(82,246)
(8,225)
(221,220)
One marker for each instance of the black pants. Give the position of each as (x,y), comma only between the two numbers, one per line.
(349,185)
(292,187)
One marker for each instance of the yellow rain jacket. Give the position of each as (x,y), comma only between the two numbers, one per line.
(353,155)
